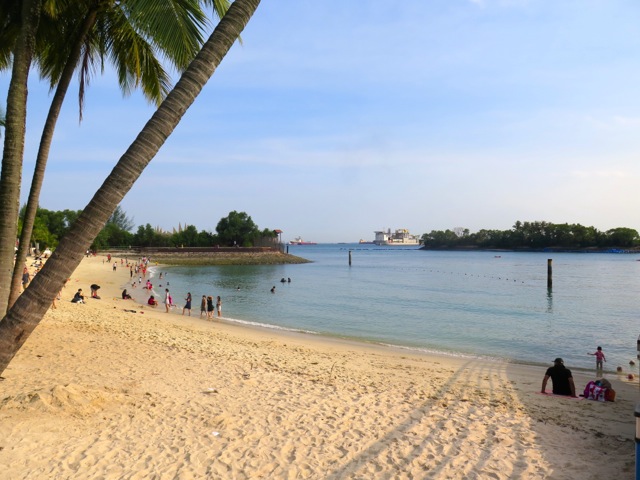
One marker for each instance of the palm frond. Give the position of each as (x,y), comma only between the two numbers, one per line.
(174,27)
(134,60)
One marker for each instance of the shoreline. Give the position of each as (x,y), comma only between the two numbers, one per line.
(100,391)
(140,296)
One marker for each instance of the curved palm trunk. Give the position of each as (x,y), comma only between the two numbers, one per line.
(14,144)
(31,306)
(43,155)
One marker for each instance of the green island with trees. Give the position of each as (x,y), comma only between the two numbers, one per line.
(237,239)
(536,236)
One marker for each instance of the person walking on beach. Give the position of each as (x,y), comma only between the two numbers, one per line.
(219,305)
(599,354)
(187,306)
(209,306)
(25,277)
(167,300)
(561,378)
(203,306)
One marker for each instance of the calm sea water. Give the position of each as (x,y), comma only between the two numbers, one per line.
(474,303)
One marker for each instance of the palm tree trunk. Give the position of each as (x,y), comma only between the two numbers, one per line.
(14,144)
(31,306)
(43,155)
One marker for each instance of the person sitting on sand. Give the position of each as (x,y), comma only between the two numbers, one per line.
(152,301)
(78,297)
(561,378)
(125,295)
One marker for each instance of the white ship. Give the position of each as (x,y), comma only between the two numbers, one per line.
(401,237)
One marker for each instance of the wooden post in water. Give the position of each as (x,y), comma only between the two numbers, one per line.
(349,257)
(549,273)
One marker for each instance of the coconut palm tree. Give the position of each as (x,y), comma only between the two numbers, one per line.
(23,48)
(127,33)
(28,310)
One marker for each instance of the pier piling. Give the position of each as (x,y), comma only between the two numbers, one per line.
(549,273)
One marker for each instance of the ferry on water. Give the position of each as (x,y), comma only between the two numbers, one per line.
(401,237)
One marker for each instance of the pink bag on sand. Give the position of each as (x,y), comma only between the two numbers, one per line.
(595,392)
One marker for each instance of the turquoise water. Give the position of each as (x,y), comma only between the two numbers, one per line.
(475,303)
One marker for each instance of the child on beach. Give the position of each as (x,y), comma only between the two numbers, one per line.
(219,305)
(599,354)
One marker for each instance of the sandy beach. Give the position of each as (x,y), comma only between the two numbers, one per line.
(101,391)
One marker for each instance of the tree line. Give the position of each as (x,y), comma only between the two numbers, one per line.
(236,229)
(534,235)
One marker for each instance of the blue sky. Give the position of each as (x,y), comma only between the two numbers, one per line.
(333,120)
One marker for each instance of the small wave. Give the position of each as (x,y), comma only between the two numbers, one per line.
(269,326)
(447,353)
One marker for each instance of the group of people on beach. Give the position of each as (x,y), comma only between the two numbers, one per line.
(208,307)
(562,379)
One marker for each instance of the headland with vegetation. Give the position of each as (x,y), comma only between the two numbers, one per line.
(237,240)
(536,236)
(199,256)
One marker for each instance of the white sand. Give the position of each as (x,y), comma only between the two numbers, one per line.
(98,392)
